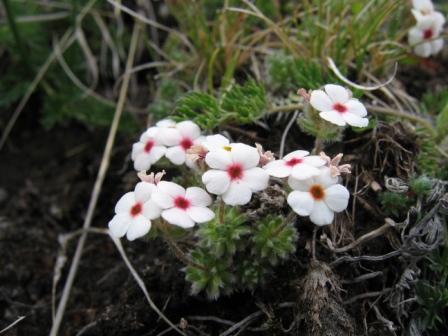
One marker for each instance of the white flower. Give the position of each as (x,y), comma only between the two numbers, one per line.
(234,174)
(425,36)
(318,197)
(337,106)
(296,164)
(134,212)
(183,207)
(148,150)
(179,138)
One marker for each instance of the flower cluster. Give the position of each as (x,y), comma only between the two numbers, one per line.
(151,200)
(232,172)
(166,138)
(425,35)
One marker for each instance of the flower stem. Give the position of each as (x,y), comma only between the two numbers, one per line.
(313,243)
(179,254)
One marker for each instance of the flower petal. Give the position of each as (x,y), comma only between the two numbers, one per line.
(119,225)
(198,196)
(177,217)
(321,214)
(189,129)
(423,49)
(354,120)
(218,159)
(125,203)
(354,106)
(151,210)
(246,155)
(137,148)
(314,160)
(333,117)
(143,191)
(138,227)
(423,5)
(162,200)
(320,101)
(238,193)
(142,162)
(200,214)
(301,185)
(156,153)
(170,136)
(176,155)
(215,141)
(171,188)
(336,197)
(256,178)
(303,171)
(278,168)
(337,93)
(166,123)
(301,202)
(216,181)
(325,179)
(298,154)
(436,46)
(414,36)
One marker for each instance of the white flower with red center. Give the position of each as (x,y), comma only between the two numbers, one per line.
(179,138)
(425,36)
(183,207)
(338,107)
(134,212)
(148,150)
(234,174)
(298,164)
(319,197)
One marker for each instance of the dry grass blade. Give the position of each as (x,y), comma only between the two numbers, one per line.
(141,284)
(12,324)
(98,184)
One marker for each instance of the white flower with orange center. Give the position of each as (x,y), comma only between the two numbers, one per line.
(179,138)
(425,35)
(134,212)
(298,164)
(183,207)
(234,174)
(318,197)
(148,150)
(338,107)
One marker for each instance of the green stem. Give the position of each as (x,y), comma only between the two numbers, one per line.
(15,31)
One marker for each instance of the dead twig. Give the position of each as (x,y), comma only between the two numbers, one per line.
(368,236)
(98,184)
(20,318)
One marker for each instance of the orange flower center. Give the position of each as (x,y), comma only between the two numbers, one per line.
(317,192)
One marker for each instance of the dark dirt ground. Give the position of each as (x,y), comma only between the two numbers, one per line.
(46,177)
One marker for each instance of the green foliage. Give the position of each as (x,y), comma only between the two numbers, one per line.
(428,155)
(432,293)
(168,92)
(273,240)
(421,185)
(394,204)
(286,73)
(311,123)
(240,104)
(223,239)
(215,279)
(237,254)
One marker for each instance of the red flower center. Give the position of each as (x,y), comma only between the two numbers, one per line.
(340,108)
(235,171)
(149,145)
(181,203)
(294,161)
(186,143)
(317,192)
(427,34)
(136,209)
